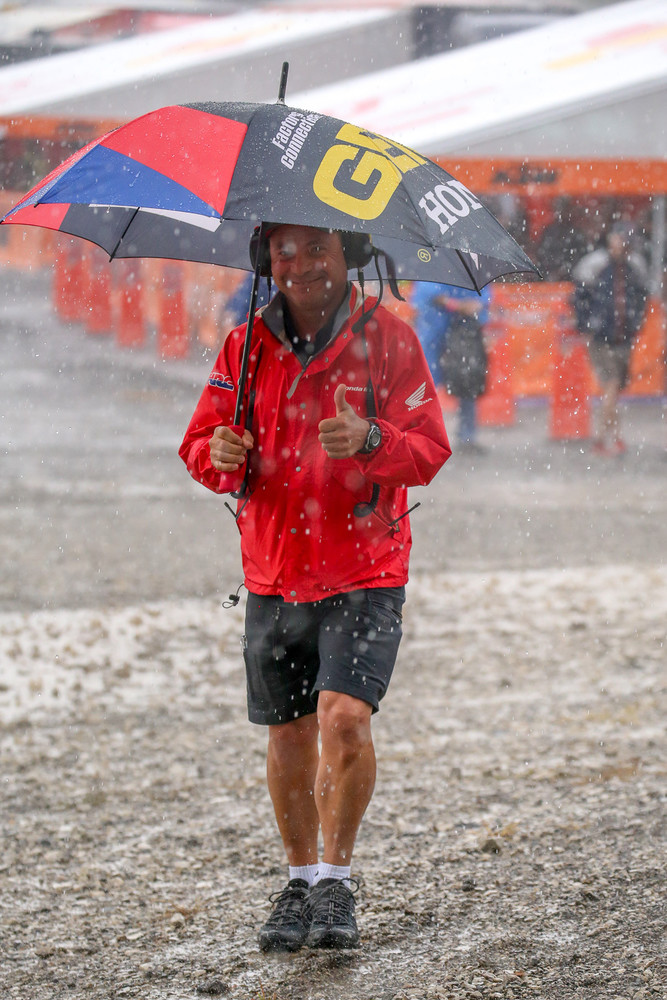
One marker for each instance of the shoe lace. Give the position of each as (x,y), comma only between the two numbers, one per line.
(288,902)
(333,901)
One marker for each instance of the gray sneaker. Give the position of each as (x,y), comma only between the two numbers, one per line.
(332,923)
(287,927)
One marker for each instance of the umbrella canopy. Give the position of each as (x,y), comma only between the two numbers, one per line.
(192,182)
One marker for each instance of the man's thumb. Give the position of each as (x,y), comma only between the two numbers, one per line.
(340,401)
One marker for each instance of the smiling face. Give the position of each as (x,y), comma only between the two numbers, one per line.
(309,268)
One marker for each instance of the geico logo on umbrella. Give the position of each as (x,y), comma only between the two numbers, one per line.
(372,154)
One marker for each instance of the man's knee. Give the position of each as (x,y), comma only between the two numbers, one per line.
(344,721)
(295,735)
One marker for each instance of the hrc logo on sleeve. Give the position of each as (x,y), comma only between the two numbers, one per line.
(220,381)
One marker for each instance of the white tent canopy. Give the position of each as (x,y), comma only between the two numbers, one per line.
(234,57)
(590,85)
(593,84)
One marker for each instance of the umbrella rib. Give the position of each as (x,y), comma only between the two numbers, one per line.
(122,235)
(469,272)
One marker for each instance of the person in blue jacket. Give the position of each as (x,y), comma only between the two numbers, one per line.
(438,308)
(236,307)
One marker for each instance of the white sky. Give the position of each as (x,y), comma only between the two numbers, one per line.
(99,67)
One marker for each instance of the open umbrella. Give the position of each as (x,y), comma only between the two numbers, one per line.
(193,182)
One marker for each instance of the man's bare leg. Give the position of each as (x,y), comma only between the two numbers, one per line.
(292,762)
(346,773)
(343,789)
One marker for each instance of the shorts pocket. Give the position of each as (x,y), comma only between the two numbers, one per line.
(385,612)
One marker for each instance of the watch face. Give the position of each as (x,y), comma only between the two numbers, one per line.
(374,436)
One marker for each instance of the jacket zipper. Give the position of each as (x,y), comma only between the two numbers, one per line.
(292,388)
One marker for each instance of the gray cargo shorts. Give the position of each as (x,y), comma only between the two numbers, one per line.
(346,643)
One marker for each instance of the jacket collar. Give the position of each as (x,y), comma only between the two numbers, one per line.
(273,315)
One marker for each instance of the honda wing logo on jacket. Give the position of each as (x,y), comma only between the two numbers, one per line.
(416,398)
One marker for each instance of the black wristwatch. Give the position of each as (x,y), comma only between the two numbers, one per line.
(373,439)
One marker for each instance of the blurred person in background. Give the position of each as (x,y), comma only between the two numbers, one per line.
(234,311)
(611,291)
(563,242)
(449,322)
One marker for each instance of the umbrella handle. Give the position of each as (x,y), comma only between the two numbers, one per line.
(245,357)
(241,492)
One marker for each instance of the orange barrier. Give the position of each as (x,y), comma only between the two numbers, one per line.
(99,316)
(28,249)
(570,403)
(496,407)
(530,311)
(151,275)
(84,294)
(208,289)
(67,279)
(130,320)
(24,248)
(531,316)
(535,315)
(172,332)
(59,287)
(577,177)
(648,374)
(74,282)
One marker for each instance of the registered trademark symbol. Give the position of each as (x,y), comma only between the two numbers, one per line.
(424,255)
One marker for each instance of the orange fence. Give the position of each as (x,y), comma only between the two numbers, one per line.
(531,328)
(26,248)
(559,176)
(537,321)
(178,303)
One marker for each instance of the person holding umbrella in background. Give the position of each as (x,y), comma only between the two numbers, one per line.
(342,416)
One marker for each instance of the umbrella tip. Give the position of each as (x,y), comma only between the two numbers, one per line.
(283,83)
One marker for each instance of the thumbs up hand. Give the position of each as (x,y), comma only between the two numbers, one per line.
(340,401)
(344,434)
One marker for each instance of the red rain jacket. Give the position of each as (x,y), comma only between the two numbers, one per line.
(300,537)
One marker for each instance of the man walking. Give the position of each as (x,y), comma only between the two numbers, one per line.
(341,417)
(610,302)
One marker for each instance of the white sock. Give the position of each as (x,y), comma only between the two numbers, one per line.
(332,871)
(308,873)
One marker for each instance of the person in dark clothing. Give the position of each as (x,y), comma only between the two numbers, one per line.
(610,304)
(562,244)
